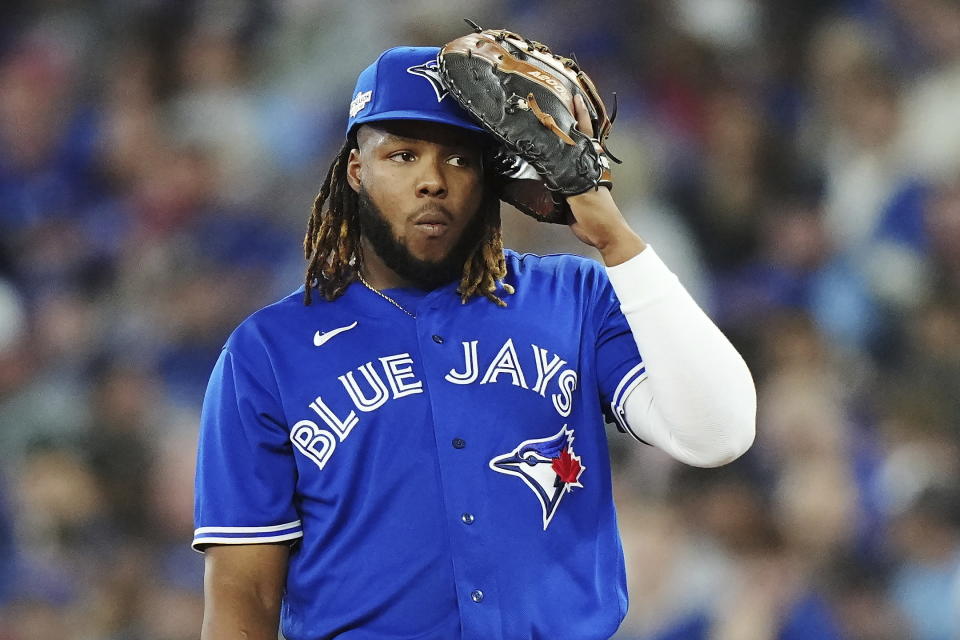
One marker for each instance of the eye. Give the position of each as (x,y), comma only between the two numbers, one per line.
(403,156)
(460,161)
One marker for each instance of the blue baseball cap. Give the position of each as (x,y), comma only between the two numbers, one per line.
(404,84)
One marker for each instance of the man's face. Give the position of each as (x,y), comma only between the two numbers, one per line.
(420,191)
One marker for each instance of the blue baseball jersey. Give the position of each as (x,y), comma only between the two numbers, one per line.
(444,476)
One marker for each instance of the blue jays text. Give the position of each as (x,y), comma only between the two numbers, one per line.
(319,444)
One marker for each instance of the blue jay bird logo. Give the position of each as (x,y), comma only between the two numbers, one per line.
(547,465)
(431,71)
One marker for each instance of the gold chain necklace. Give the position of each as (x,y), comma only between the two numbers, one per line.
(385,296)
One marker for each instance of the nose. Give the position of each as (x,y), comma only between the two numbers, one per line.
(432,182)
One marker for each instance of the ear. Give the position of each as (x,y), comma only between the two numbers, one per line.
(353,170)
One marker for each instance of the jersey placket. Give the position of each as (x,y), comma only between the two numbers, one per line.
(462,475)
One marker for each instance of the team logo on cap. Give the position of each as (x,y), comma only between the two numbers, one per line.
(548,466)
(360,101)
(431,71)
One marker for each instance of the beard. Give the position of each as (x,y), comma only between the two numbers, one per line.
(424,274)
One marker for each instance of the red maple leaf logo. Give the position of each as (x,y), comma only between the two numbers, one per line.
(567,467)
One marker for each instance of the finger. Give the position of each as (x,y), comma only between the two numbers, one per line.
(582,115)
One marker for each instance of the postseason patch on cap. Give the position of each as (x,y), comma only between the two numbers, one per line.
(360,101)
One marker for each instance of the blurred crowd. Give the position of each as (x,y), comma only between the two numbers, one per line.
(796,162)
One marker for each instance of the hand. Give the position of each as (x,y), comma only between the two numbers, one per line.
(599,222)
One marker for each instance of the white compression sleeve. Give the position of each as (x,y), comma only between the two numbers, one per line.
(698,402)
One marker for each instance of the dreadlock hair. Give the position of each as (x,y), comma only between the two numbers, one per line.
(331,244)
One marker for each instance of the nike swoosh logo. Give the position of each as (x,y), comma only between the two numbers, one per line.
(319,339)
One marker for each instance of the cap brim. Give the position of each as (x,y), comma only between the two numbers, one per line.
(440,117)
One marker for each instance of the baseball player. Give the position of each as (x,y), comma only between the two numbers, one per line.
(412,445)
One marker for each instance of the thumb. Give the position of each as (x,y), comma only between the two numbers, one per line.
(582,114)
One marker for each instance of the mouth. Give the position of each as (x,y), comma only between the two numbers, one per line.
(431,230)
(433,223)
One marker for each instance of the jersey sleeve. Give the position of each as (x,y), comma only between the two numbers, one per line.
(620,366)
(246,473)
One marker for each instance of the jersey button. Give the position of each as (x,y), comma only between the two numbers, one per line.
(467,518)
(476,595)
(438,339)
(459,443)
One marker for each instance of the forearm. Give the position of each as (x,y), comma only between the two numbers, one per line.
(698,402)
(600,224)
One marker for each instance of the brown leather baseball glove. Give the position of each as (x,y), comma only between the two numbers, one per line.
(524,94)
